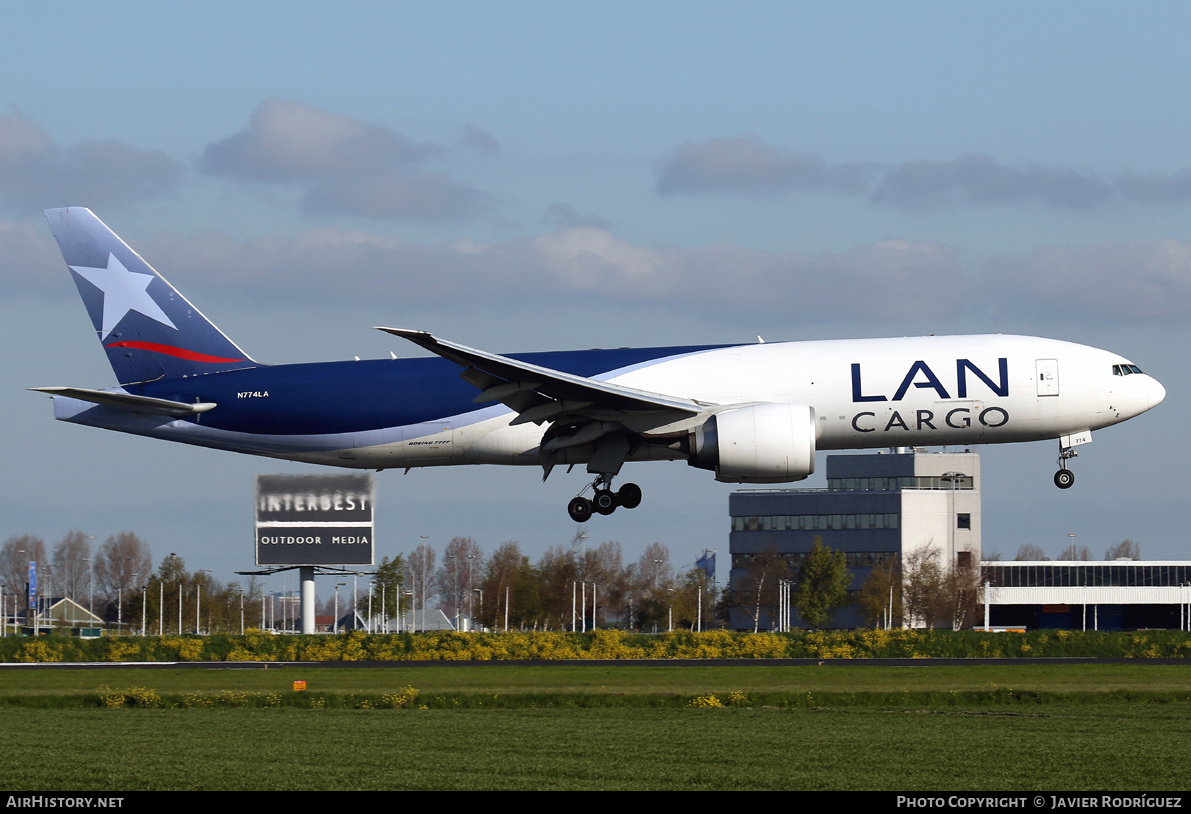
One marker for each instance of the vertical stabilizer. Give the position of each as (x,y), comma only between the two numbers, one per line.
(147,328)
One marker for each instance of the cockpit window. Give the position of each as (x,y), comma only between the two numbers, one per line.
(1125,370)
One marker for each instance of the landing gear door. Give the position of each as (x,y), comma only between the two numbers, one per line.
(1075,439)
(1047,377)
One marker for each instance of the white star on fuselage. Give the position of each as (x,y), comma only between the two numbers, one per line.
(123,291)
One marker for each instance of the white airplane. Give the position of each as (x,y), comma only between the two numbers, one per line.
(753,413)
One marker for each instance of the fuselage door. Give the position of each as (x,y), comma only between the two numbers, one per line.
(1047,377)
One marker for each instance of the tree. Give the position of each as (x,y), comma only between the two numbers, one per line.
(689,597)
(557,571)
(615,581)
(884,585)
(1126,549)
(822,584)
(420,573)
(1074,553)
(923,586)
(1030,552)
(961,595)
(72,567)
(15,556)
(462,565)
(654,582)
(122,563)
(755,591)
(388,583)
(937,593)
(527,607)
(166,593)
(500,584)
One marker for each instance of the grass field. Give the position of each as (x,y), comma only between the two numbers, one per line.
(1012,726)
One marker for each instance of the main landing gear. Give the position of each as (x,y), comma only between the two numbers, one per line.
(604,500)
(1065,477)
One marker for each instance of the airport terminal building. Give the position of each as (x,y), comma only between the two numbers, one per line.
(1112,595)
(878,508)
(875,509)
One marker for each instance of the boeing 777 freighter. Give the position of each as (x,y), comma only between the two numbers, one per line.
(754,413)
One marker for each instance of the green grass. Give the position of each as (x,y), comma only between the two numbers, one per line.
(1129,748)
(615,677)
(852,736)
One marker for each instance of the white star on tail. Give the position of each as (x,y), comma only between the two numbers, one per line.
(123,291)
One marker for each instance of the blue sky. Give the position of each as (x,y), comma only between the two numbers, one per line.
(526,176)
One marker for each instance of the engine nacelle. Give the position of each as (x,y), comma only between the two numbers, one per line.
(764,443)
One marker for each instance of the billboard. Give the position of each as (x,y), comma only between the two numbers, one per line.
(314,520)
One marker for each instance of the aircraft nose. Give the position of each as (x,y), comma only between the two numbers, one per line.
(1156,392)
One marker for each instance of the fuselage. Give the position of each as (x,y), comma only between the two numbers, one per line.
(865,393)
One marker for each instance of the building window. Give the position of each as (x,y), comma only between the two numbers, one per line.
(963,521)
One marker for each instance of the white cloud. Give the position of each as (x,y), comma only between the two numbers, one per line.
(579,267)
(747,166)
(1111,282)
(342,165)
(981,179)
(36,173)
(586,269)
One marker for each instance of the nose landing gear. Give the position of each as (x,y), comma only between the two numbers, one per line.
(604,500)
(1065,477)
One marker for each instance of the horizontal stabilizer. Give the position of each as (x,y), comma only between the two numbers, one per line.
(127,401)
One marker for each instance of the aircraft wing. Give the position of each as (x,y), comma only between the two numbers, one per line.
(541,394)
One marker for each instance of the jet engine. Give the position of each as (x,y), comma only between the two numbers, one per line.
(762,443)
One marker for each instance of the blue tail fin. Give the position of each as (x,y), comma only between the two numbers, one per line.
(148,329)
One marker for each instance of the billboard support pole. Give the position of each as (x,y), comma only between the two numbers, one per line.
(306,577)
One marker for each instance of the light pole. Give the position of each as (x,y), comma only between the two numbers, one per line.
(594,585)
(198,599)
(120,609)
(470,606)
(423,581)
(49,579)
(455,587)
(338,585)
(91,568)
(49,592)
(951,478)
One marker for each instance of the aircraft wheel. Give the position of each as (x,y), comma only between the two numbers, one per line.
(579,509)
(604,501)
(1064,478)
(629,496)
